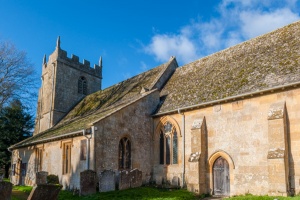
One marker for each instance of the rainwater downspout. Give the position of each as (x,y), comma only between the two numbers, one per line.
(88,148)
(183,147)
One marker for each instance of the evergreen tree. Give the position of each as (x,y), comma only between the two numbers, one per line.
(15,125)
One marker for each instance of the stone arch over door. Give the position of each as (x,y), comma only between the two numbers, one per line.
(221,159)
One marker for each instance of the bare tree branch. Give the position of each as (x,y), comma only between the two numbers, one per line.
(17,77)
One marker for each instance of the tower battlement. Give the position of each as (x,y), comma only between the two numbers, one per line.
(85,66)
(60,55)
(65,82)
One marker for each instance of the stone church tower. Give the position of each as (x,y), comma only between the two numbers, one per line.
(65,81)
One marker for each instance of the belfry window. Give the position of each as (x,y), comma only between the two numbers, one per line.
(124,153)
(82,85)
(168,145)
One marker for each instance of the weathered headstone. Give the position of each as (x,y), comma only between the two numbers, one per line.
(136,178)
(175,181)
(45,192)
(124,180)
(41,177)
(88,182)
(5,190)
(107,181)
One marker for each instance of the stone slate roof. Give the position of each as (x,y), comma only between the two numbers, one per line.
(264,62)
(99,105)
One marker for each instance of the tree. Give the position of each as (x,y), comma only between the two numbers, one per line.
(15,125)
(17,78)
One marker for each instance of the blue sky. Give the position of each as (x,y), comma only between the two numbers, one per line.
(133,36)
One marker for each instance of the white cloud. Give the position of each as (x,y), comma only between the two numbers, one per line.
(164,46)
(256,23)
(238,20)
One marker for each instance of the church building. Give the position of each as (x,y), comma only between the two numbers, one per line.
(226,124)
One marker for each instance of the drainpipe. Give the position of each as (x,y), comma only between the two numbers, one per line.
(183,147)
(88,148)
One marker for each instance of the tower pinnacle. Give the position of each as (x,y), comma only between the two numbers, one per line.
(100,61)
(44,59)
(58,42)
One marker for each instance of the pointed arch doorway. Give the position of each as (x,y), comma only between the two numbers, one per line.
(221,178)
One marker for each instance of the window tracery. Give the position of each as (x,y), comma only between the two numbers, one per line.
(124,153)
(82,85)
(168,144)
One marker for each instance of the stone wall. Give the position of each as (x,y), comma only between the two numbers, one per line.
(52,162)
(239,132)
(135,123)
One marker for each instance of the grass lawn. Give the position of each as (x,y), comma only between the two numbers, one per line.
(143,193)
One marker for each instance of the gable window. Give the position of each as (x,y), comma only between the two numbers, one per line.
(168,145)
(38,159)
(124,154)
(66,158)
(82,85)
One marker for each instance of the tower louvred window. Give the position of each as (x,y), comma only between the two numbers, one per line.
(82,85)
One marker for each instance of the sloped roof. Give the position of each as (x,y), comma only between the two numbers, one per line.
(100,104)
(264,62)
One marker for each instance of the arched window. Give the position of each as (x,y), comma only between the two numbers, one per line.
(124,154)
(82,85)
(168,145)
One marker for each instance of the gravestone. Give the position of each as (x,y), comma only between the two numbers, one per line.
(175,181)
(107,181)
(5,190)
(136,178)
(41,177)
(45,192)
(88,182)
(124,180)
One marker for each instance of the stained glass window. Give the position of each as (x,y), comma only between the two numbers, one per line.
(161,148)
(168,149)
(168,145)
(175,148)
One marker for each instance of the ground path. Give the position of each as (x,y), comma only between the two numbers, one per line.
(19,195)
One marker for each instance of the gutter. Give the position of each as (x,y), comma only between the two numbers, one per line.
(51,138)
(232,98)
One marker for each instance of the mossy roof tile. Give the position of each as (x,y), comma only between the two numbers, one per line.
(264,62)
(99,105)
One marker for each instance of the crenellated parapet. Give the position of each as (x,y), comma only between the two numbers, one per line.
(60,55)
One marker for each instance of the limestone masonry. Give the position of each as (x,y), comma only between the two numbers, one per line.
(226,124)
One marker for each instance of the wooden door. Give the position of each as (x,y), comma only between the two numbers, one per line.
(221,177)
